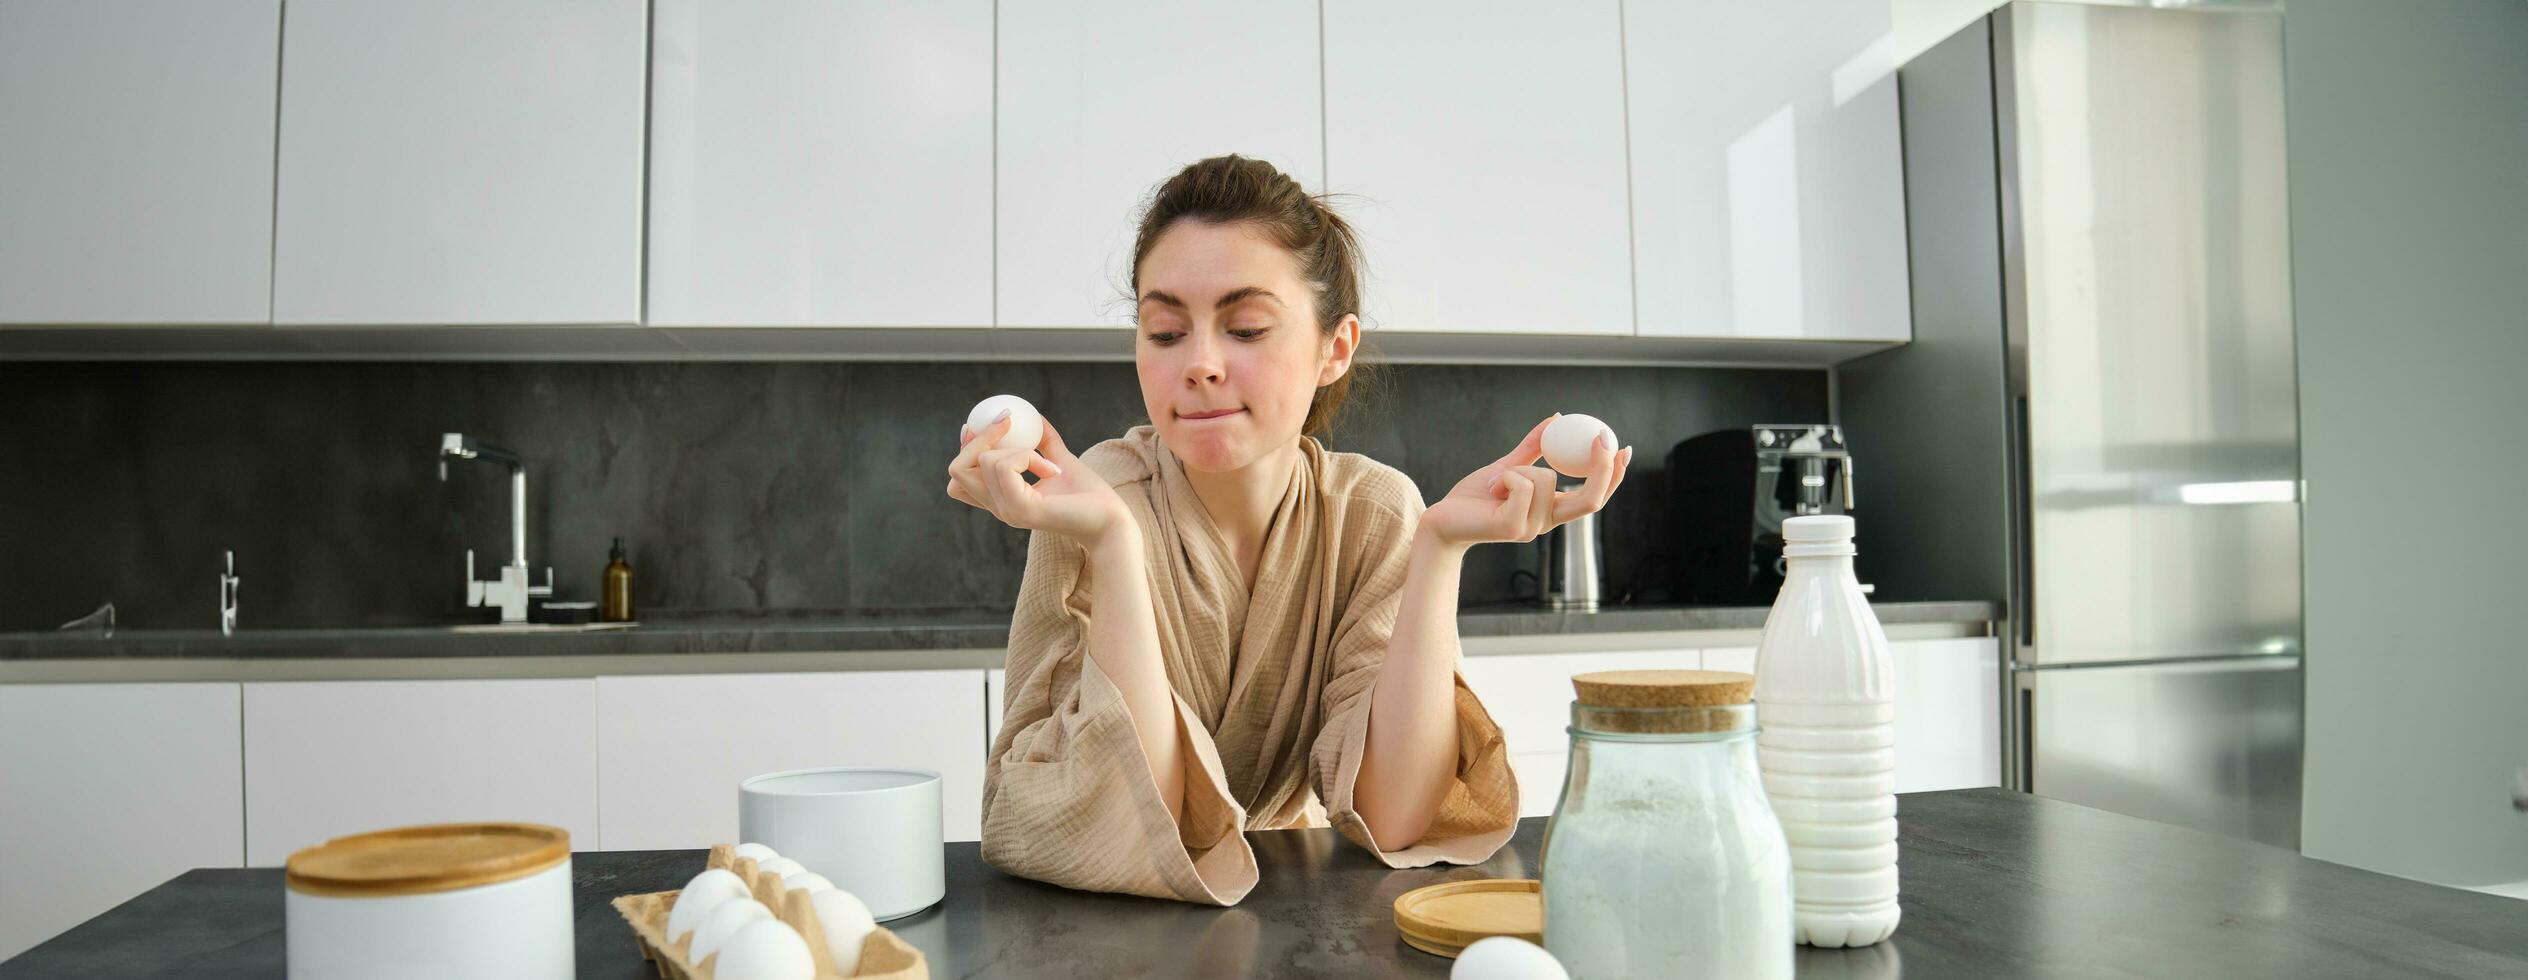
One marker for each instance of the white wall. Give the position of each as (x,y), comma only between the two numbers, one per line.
(2408,136)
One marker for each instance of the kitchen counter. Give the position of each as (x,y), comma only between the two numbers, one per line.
(960,629)
(1995,884)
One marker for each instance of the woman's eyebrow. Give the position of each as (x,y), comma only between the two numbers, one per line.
(1244,293)
(1227,300)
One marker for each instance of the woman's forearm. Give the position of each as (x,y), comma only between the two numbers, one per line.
(1412,752)
(1123,637)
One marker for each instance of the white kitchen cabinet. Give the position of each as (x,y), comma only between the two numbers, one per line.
(673,748)
(1529,696)
(1948,709)
(1482,149)
(108,790)
(821,164)
(136,160)
(1101,101)
(1948,713)
(1767,187)
(993,683)
(328,758)
(460,162)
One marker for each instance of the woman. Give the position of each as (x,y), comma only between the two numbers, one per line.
(1223,626)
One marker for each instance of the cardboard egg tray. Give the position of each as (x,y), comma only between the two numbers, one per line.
(883,955)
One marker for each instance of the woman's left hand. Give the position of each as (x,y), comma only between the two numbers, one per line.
(1514,500)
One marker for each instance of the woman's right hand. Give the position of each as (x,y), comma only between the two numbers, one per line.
(1068,498)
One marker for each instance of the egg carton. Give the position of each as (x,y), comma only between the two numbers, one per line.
(884,955)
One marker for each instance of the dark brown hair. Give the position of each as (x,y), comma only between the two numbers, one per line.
(1232,189)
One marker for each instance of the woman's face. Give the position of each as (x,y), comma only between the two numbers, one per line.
(1229,350)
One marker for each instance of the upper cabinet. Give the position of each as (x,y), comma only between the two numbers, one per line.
(460,162)
(136,161)
(1481,151)
(1101,101)
(821,164)
(1768,190)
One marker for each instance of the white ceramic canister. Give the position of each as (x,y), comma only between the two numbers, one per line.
(447,900)
(875,833)
(1825,685)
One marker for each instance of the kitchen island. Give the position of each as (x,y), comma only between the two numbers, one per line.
(1995,884)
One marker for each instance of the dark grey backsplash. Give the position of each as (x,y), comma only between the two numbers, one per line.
(742,489)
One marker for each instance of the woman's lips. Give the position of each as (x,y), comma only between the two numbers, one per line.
(1221,413)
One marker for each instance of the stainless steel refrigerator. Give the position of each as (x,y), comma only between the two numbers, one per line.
(2098,419)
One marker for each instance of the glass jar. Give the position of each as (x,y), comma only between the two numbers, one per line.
(1663,858)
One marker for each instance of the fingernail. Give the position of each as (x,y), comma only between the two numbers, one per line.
(1606,439)
(1003,416)
(1055,467)
(1492,484)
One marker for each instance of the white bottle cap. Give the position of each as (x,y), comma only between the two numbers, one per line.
(1817,530)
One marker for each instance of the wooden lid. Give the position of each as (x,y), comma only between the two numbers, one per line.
(433,858)
(1664,688)
(1444,919)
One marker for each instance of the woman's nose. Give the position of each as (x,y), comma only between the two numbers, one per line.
(1202,361)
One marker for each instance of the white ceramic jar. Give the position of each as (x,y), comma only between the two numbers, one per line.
(448,900)
(873,832)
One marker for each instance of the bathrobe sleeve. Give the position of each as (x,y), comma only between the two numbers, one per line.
(1067,794)
(1480,811)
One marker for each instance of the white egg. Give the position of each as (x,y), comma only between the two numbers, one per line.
(1567,442)
(780,867)
(1506,958)
(765,950)
(1026,425)
(759,852)
(808,880)
(847,924)
(723,922)
(699,896)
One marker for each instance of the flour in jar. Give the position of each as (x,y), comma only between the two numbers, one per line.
(1671,877)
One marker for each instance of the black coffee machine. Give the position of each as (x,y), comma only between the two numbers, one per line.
(1731,491)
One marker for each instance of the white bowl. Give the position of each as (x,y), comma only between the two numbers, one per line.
(873,832)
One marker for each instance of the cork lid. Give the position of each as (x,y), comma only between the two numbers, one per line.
(433,858)
(1664,701)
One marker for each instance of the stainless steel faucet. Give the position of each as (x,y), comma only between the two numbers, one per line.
(228,582)
(510,591)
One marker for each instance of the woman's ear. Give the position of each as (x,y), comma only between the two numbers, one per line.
(1340,345)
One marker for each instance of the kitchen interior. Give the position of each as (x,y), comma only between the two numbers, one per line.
(535,412)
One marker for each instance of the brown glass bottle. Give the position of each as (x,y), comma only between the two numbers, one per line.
(616,604)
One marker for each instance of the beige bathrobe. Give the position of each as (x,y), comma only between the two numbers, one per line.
(1272,690)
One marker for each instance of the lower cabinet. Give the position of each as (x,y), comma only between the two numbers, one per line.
(992,694)
(1948,709)
(328,758)
(672,748)
(108,790)
(1529,696)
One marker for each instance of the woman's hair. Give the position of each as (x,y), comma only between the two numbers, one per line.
(1232,189)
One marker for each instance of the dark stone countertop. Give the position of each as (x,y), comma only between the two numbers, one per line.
(1995,884)
(958,629)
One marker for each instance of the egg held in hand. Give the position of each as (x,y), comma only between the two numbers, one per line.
(1026,425)
(1568,441)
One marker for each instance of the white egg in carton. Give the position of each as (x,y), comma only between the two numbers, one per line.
(754,915)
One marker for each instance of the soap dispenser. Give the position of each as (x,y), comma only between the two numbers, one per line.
(617,594)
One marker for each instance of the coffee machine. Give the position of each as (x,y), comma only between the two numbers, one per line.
(1732,489)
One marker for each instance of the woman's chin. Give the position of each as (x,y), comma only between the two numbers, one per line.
(1210,452)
